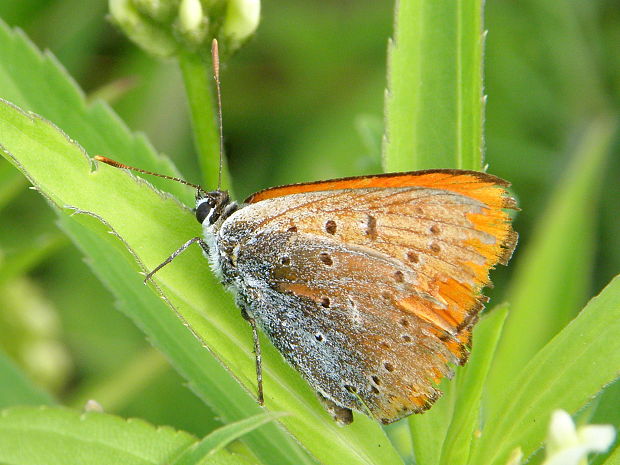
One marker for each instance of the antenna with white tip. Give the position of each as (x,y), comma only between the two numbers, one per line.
(216,75)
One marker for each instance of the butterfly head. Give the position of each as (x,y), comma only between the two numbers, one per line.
(213,206)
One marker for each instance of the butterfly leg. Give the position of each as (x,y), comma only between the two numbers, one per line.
(200,241)
(257,352)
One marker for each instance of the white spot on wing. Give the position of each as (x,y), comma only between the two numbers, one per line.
(356,316)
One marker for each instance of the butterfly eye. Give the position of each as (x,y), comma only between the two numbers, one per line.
(203,210)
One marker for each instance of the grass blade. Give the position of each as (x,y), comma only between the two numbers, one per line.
(434,103)
(434,114)
(428,431)
(560,252)
(444,435)
(471,385)
(37,82)
(220,438)
(567,373)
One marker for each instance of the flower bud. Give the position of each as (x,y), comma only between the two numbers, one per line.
(159,10)
(168,27)
(155,40)
(192,22)
(242,17)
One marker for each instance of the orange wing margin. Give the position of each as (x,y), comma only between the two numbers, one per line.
(474,184)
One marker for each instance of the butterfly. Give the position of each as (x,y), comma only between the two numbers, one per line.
(368,286)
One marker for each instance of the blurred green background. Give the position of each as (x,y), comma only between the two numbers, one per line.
(302,101)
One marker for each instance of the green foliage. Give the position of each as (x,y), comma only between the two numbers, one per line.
(444,434)
(434,104)
(16,389)
(107,199)
(568,372)
(97,438)
(472,381)
(562,246)
(292,103)
(202,451)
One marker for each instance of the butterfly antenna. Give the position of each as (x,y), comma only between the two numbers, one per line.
(116,164)
(216,75)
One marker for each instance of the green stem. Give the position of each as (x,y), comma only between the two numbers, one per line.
(202,103)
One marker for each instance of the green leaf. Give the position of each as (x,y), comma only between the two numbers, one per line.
(614,458)
(40,84)
(428,431)
(434,101)
(30,435)
(215,441)
(207,378)
(471,381)
(567,373)
(37,82)
(16,388)
(560,252)
(444,435)
(434,113)
(151,226)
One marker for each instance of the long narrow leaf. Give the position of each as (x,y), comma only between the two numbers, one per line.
(445,433)
(434,113)
(36,82)
(567,373)
(216,440)
(560,252)
(434,102)
(472,381)
(428,431)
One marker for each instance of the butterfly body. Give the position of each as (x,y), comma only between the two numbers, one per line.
(369,287)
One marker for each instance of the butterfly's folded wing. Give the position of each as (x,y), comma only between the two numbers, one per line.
(385,279)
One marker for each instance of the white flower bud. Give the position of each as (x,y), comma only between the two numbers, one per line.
(142,31)
(190,15)
(242,17)
(159,10)
(123,12)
